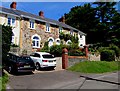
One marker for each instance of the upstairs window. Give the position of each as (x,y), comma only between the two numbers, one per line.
(71,32)
(60,29)
(11,21)
(80,36)
(47,27)
(32,24)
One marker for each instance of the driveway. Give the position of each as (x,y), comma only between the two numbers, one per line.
(64,80)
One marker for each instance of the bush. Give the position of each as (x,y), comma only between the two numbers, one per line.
(56,50)
(76,52)
(116,49)
(45,48)
(107,55)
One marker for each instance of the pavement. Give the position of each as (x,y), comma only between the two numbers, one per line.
(64,79)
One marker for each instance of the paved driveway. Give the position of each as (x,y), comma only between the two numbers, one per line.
(63,80)
(46,80)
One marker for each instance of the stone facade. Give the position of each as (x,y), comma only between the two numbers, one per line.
(40,30)
(33,38)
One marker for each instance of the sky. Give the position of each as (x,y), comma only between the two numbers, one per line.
(52,10)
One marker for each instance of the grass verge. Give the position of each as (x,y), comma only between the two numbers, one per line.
(95,67)
(3,82)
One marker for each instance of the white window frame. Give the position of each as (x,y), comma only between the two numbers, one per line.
(32,24)
(49,41)
(47,27)
(68,41)
(81,36)
(57,43)
(11,21)
(60,29)
(71,32)
(36,41)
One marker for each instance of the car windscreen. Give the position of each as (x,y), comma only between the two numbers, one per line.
(24,59)
(47,56)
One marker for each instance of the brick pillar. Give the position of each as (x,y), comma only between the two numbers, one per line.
(64,58)
(86,50)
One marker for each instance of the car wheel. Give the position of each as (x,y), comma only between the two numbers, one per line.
(37,66)
(10,69)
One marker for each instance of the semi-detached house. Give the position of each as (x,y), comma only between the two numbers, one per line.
(30,32)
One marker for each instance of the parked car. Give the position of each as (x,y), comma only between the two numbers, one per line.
(17,63)
(43,60)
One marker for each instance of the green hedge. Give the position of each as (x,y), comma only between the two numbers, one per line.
(56,50)
(107,55)
(76,52)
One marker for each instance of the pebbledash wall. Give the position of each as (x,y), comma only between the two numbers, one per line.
(26,27)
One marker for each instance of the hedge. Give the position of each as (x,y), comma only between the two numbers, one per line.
(107,55)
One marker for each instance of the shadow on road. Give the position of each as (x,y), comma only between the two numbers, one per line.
(46,69)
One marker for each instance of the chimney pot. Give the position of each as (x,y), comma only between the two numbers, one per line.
(62,19)
(13,5)
(41,14)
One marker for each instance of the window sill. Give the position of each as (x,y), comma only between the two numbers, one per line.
(32,28)
(47,31)
(35,47)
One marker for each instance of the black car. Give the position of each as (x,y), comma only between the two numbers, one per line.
(17,64)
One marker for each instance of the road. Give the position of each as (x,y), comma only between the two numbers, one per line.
(63,80)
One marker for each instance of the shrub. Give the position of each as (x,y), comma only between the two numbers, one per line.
(56,50)
(45,48)
(73,46)
(107,55)
(76,52)
(116,49)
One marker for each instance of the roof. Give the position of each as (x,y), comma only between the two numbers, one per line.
(19,13)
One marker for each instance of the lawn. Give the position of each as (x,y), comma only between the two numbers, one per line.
(95,67)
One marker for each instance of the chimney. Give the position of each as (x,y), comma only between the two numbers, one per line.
(13,5)
(62,19)
(41,14)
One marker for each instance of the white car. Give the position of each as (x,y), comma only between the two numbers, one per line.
(43,60)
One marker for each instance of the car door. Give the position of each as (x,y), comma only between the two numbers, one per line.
(36,58)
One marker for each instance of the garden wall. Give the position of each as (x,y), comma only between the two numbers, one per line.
(75,59)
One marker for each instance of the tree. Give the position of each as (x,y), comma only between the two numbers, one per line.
(100,23)
(83,18)
(6,40)
(105,11)
(114,34)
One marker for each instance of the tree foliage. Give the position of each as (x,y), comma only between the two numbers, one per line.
(6,40)
(83,18)
(100,23)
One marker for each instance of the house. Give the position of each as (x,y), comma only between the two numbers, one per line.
(30,32)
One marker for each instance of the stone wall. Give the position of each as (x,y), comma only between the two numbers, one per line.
(94,57)
(40,29)
(75,59)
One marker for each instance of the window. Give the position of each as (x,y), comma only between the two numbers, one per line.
(71,32)
(36,42)
(11,21)
(47,56)
(32,24)
(57,41)
(37,55)
(68,42)
(80,36)
(50,41)
(47,27)
(60,29)
(13,38)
